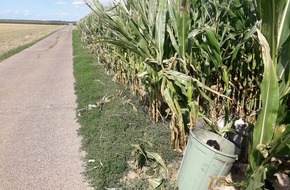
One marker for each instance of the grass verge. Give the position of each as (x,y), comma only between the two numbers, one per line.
(111,122)
(18,49)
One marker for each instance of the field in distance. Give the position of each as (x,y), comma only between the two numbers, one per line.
(16,35)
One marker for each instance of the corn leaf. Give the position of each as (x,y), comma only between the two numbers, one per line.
(281,140)
(212,39)
(160,28)
(184,80)
(173,39)
(155,183)
(169,100)
(123,44)
(284,29)
(155,156)
(152,12)
(142,43)
(257,179)
(268,14)
(275,16)
(183,25)
(150,155)
(283,69)
(264,129)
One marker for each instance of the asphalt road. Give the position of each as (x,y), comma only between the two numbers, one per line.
(39,146)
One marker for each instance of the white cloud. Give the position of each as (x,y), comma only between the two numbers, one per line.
(78,3)
(61,3)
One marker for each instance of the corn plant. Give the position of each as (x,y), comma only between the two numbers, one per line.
(135,33)
(197,57)
(271,136)
(214,45)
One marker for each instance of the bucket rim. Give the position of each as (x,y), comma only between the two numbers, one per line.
(234,156)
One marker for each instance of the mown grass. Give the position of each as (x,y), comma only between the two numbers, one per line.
(109,130)
(9,53)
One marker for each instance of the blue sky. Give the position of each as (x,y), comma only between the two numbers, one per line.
(67,10)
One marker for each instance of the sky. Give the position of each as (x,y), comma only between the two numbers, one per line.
(65,10)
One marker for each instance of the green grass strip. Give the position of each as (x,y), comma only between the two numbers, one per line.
(109,130)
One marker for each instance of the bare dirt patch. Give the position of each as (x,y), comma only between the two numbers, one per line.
(15,35)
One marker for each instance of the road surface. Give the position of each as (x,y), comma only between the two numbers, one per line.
(39,146)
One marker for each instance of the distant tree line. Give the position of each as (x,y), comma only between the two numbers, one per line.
(45,22)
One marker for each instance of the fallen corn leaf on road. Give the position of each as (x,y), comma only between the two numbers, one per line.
(39,146)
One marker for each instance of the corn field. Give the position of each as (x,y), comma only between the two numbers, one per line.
(184,59)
